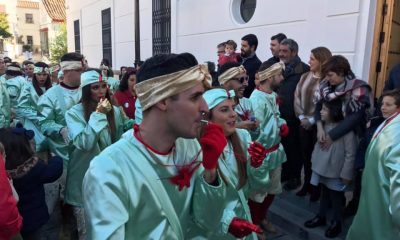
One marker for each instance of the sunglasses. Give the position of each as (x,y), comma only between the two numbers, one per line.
(242,79)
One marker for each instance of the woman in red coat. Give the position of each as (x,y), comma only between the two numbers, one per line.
(126,95)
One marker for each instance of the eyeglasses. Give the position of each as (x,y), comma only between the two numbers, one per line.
(242,79)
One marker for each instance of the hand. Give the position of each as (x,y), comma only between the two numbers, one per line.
(104,106)
(284,130)
(321,136)
(327,143)
(64,134)
(248,124)
(305,123)
(212,143)
(241,228)
(257,152)
(346,181)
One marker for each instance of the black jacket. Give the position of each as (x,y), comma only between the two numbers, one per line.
(292,75)
(251,64)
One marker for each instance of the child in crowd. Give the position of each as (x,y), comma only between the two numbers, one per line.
(29,173)
(230,54)
(333,169)
(390,105)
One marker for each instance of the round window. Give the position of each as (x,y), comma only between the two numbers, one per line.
(247,8)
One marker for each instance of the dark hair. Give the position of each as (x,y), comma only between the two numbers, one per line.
(394,94)
(339,65)
(140,63)
(265,65)
(211,66)
(123,85)
(13,73)
(120,71)
(105,62)
(72,56)
(335,109)
(279,37)
(89,106)
(26,62)
(16,146)
(163,64)
(35,82)
(231,43)
(7,60)
(221,45)
(293,46)
(251,40)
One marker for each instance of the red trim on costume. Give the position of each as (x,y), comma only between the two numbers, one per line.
(386,123)
(136,132)
(68,87)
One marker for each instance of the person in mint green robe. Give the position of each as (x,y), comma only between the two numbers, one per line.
(54,103)
(89,137)
(14,82)
(5,108)
(266,111)
(231,167)
(151,184)
(378,215)
(27,107)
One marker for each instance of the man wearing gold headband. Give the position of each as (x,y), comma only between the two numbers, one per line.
(158,180)
(53,104)
(272,129)
(233,76)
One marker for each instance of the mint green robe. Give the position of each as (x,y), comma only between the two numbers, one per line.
(121,187)
(89,138)
(236,200)
(266,110)
(5,107)
(241,108)
(26,112)
(52,106)
(112,83)
(378,215)
(14,87)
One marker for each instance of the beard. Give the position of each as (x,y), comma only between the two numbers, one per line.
(245,54)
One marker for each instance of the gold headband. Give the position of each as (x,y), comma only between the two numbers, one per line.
(159,88)
(231,73)
(275,69)
(71,65)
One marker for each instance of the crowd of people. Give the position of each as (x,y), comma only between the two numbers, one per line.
(173,149)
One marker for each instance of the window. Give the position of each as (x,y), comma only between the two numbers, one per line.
(247,8)
(28,18)
(29,40)
(161,26)
(77,36)
(106,34)
(44,41)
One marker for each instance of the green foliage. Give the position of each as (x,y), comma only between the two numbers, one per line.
(4,33)
(58,47)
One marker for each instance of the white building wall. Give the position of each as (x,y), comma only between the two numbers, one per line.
(344,26)
(29,29)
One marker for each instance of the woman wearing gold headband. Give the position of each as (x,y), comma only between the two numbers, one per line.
(243,173)
(27,108)
(94,124)
(272,129)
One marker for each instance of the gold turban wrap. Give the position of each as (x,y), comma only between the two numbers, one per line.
(71,65)
(231,73)
(275,69)
(159,88)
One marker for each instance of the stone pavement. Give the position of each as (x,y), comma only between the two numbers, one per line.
(289,212)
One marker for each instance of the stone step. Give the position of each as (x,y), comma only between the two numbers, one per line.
(289,212)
